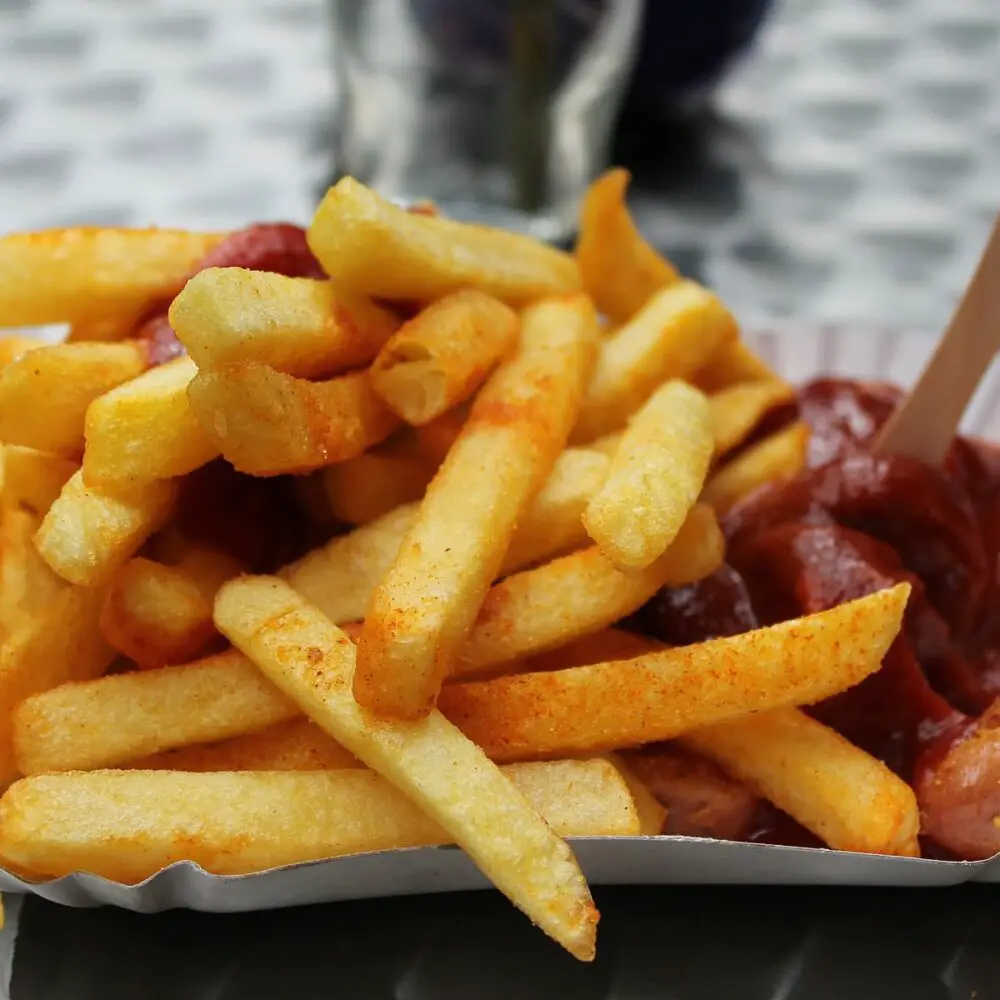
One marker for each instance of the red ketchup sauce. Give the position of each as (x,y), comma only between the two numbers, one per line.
(850,524)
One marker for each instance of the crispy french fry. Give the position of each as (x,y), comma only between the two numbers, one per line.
(75,275)
(850,800)
(44,395)
(736,410)
(27,585)
(60,643)
(672,336)
(576,595)
(145,430)
(235,823)
(299,326)
(441,356)
(598,647)
(312,661)
(663,694)
(33,479)
(620,270)
(377,249)
(655,477)
(156,614)
(422,611)
(86,534)
(267,423)
(14,347)
(732,365)
(122,717)
(777,456)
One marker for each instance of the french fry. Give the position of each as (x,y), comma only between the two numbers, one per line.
(732,365)
(122,717)
(607,444)
(655,477)
(33,479)
(422,611)
(441,356)
(297,745)
(27,585)
(777,456)
(598,647)
(376,248)
(236,823)
(14,347)
(434,439)
(299,326)
(546,607)
(107,329)
(652,816)
(666,693)
(678,330)
(850,800)
(145,430)
(86,534)
(156,614)
(736,410)
(312,662)
(267,423)
(60,643)
(77,275)
(44,394)
(620,270)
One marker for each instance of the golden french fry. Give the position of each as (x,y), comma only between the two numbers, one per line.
(732,365)
(663,694)
(546,607)
(156,614)
(736,410)
(777,456)
(74,275)
(33,479)
(14,347)
(106,329)
(227,315)
(44,395)
(422,611)
(652,815)
(257,820)
(621,271)
(297,745)
(672,336)
(312,662)
(850,800)
(655,477)
(267,423)
(86,534)
(433,440)
(145,430)
(441,356)
(27,585)
(376,248)
(607,444)
(598,647)
(122,717)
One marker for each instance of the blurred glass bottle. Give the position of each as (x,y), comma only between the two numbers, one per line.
(500,111)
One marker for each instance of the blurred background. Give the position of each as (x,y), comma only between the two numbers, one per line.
(817,161)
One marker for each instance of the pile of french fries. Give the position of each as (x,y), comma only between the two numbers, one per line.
(514,449)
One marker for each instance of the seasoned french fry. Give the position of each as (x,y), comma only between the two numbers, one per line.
(732,365)
(122,717)
(297,745)
(61,642)
(312,661)
(441,356)
(621,271)
(145,430)
(33,479)
(736,410)
(576,595)
(156,614)
(777,456)
(86,534)
(76,275)
(298,326)
(376,248)
(850,800)
(235,823)
(655,477)
(672,336)
(44,395)
(598,647)
(663,694)
(267,423)
(423,609)
(14,347)
(27,585)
